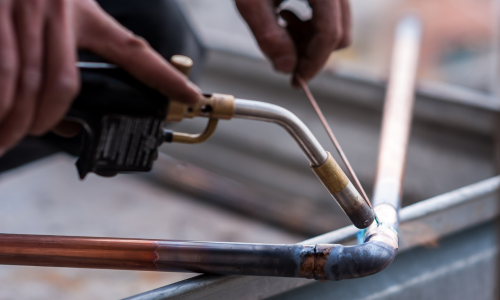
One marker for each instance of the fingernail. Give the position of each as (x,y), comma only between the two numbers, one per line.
(285,63)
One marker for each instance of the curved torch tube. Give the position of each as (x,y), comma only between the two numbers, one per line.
(255,110)
(322,163)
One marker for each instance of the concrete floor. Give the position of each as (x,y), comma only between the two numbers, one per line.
(46,197)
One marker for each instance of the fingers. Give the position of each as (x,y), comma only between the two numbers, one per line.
(104,36)
(29,20)
(8,59)
(346,25)
(300,31)
(61,81)
(327,26)
(273,39)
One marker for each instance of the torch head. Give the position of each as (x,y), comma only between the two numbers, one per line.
(352,203)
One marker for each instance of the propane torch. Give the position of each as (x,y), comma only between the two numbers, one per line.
(124,124)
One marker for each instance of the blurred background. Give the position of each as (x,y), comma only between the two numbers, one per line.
(458,47)
(250,182)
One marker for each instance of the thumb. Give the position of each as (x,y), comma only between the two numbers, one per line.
(103,35)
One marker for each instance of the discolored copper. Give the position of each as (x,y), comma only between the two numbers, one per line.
(307,263)
(321,257)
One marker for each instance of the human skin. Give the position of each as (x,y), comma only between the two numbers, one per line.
(38,75)
(302,47)
(39,39)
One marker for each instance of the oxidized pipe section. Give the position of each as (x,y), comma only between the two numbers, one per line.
(322,162)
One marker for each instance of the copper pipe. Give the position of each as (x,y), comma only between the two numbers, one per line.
(398,111)
(322,163)
(322,262)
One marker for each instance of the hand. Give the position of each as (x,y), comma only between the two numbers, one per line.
(38,76)
(303,47)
